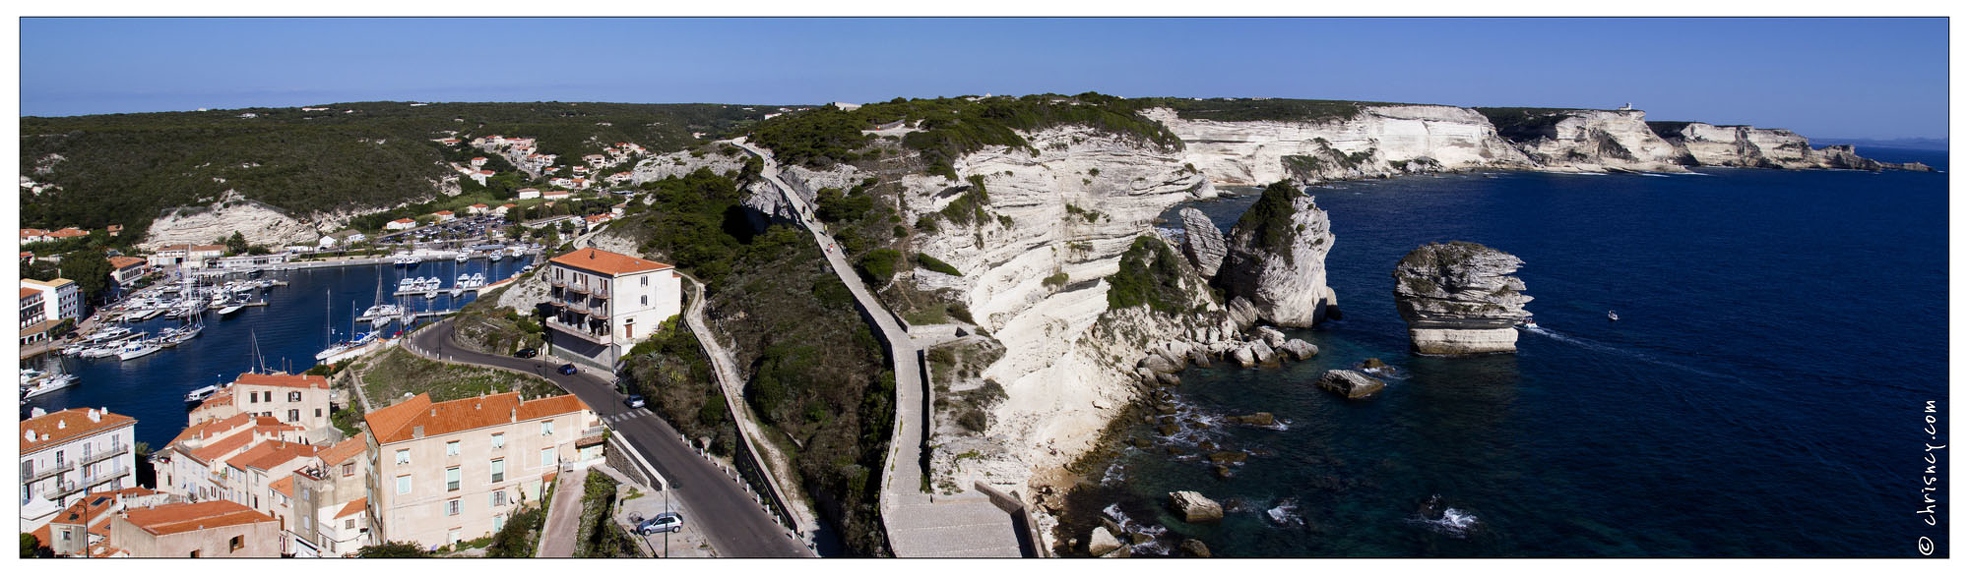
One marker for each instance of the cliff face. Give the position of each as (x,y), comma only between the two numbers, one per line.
(1460,298)
(1381,140)
(1596,140)
(258,223)
(1751,147)
(1073,208)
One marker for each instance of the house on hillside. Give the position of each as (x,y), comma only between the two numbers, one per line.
(202,529)
(444,216)
(604,302)
(528,193)
(127,270)
(400,224)
(69,454)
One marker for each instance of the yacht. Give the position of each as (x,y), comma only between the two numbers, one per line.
(231,305)
(462,257)
(197,396)
(136,349)
(34,383)
(404,260)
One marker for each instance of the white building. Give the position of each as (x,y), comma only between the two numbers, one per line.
(61,297)
(68,454)
(400,224)
(605,302)
(528,193)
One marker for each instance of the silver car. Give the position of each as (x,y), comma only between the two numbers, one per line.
(665,522)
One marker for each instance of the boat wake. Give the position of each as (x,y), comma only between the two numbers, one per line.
(1455,523)
(1286,514)
(1596,346)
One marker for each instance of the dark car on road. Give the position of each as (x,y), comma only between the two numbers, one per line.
(665,522)
(567,369)
(526,353)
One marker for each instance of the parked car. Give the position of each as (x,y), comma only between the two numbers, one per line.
(526,353)
(633,401)
(567,369)
(665,522)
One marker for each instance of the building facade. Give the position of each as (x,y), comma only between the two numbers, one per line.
(202,529)
(440,473)
(605,302)
(68,454)
(61,297)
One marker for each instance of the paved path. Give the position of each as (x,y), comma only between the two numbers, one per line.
(563,515)
(732,521)
(967,525)
(778,467)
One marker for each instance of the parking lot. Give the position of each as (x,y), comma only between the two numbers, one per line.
(686,543)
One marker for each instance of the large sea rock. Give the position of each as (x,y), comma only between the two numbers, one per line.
(1277,260)
(1460,298)
(1195,508)
(1202,242)
(1350,383)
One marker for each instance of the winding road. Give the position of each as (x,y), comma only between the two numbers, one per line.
(728,516)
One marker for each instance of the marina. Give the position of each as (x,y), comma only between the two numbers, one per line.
(176,343)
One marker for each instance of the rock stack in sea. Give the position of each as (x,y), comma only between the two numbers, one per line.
(1460,298)
(1202,242)
(1275,266)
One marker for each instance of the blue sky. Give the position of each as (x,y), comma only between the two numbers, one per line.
(1863,78)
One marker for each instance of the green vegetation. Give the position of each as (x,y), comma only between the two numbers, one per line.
(936,265)
(599,535)
(1270,218)
(395,372)
(125,168)
(30,545)
(1150,274)
(670,371)
(1055,280)
(950,127)
(91,271)
(392,549)
(1254,109)
(879,265)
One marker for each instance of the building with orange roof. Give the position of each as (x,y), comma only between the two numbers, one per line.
(604,302)
(125,269)
(301,400)
(250,476)
(201,529)
(328,500)
(450,471)
(68,454)
(197,464)
(85,525)
(68,232)
(32,309)
(61,298)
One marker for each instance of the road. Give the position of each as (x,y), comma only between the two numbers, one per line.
(731,520)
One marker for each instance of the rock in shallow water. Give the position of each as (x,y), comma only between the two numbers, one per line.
(1194,548)
(1100,542)
(1460,298)
(1195,508)
(1299,349)
(1350,383)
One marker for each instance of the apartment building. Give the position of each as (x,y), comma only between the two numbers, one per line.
(300,400)
(329,503)
(444,472)
(604,302)
(202,529)
(195,465)
(61,298)
(68,454)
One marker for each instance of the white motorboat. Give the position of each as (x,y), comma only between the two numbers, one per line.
(462,257)
(136,349)
(44,383)
(1611,316)
(230,307)
(198,395)
(111,333)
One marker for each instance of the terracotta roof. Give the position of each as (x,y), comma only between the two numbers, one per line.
(399,422)
(441,213)
(53,283)
(186,517)
(285,486)
(213,428)
(67,425)
(27,293)
(270,454)
(503,206)
(209,248)
(606,262)
(340,452)
(214,451)
(296,381)
(354,507)
(478,205)
(120,262)
(403,221)
(32,232)
(67,233)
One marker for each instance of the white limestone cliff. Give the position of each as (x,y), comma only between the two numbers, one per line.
(259,224)
(1386,140)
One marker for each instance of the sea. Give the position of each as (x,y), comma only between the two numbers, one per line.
(1781,338)
(315,309)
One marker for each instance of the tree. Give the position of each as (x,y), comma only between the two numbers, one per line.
(89,270)
(397,549)
(29,545)
(236,244)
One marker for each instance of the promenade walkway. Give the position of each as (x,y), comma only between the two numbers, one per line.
(965,525)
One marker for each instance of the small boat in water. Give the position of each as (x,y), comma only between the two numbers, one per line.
(136,349)
(197,396)
(462,257)
(35,383)
(1611,316)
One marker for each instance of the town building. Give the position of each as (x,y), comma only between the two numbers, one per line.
(127,270)
(68,454)
(202,529)
(449,471)
(196,464)
(33,311)
(84,528)
(444,216)
(528,193)
(61,297)
(400,224)
(604,302)
(299,400)
(186,255)
(556,194)
(330,497)
(477,209)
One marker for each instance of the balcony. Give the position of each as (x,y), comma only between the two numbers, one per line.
(579,332)
(578,288)
(598,312)
(600,292)
(556,282)
(40,474)
(105,454)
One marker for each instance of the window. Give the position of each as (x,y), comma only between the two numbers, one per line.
(60,456)
(498,441)
(547,457)
(293,396)
(451,479)
(237,542)
(349,469)
(317,412)
(349,523)
(645,301)
(252,397)
(645,280)
(451,448)
(306,523)
(403,484)
(452,507)
(546,428)
(293,415)
(499,499)
(194,554)
(455,535)
(498,470)
(403,456)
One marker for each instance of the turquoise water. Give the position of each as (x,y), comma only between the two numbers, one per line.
(1761,396)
